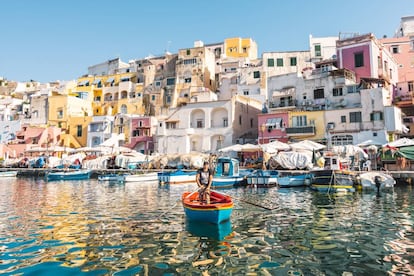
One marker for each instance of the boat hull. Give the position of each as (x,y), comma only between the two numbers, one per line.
(262,178)
(148,177)
(8,174)
(219,209)
(228,181)
(111,177)
(293,180)
(70,175)
(177,177)
(333,181)
(367,181)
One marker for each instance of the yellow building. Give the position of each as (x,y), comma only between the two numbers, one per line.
(306,125)
(240,48)
(68,112)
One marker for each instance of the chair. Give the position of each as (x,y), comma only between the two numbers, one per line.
(366,166)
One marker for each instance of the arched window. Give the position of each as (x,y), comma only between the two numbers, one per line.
(124,109)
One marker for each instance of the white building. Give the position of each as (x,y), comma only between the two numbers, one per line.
(110,67)
(208,126)
(322,48)
(99,130)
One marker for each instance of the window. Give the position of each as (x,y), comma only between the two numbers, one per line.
(359,59)
(135,132)
(352,89)
(256,74)
(168,99)
(158,83)
(244,49)
(200,123)
(395,49)
(60,113)
(410,86)
(293,61)
(79,130)
(171,125)
(246,92)
(190,61)
(270,62)
(251,122)
(355,117)
(376,116)
(339,140)
(124,109)
(279,62)
(274,123)
(153,98)
(343,119)
(170,81)
(225,122)
(337,91)
(240,120)
(298,121)
(187,80)
(318,93)
(188,52)
(318,50)
(374,134)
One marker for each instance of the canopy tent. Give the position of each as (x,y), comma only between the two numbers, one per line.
(274,147)
(238,147)
(306,145)
(114,140)
(403,142)
(407,152)
(349,150)
(370,142)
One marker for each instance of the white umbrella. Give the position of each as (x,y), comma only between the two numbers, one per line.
(250,147)
(235,147)
(274,147)
(370,143)
(403,142)
(307,145)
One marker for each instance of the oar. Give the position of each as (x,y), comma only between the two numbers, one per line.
(251,203)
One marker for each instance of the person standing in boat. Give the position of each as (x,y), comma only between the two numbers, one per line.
(204,178)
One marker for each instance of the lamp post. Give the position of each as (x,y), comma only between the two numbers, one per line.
(262,128)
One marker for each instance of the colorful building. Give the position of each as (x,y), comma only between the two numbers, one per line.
(272,127)
(142,130)
(237,47)
(308,125)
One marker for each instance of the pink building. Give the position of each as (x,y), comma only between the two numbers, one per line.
(141,136)
(272,126)
(368,58)
(402,48)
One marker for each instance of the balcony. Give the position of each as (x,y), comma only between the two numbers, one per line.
(301,131)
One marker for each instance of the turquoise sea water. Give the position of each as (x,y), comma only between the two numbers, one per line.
(92,228)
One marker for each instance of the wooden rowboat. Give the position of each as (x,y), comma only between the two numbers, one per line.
(218,210)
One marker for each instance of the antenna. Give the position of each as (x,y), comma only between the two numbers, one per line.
(167,50)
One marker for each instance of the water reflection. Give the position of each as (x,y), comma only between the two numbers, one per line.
(124,229)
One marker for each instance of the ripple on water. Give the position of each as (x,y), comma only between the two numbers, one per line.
(92,228)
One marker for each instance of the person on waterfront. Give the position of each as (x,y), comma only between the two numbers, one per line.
(204,178)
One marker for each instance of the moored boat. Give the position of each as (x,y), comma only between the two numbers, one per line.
(294,180)
(8,174)
(177,177)
(144,177)
(112,177)
(375,180)
(69,175)
(262,178)
(332,178)
(218,210)
(228,173)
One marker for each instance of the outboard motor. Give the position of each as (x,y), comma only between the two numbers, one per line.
(377,180)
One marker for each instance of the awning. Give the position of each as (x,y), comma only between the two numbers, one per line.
(83,83)
(274,122)
(110,80)
(97,81)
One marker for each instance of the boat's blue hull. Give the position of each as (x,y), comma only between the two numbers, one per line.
(228,181)
(213,216)
(71,175)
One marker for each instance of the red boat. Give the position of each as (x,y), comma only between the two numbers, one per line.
(218,210)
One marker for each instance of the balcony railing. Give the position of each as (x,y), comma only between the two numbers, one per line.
(301,130)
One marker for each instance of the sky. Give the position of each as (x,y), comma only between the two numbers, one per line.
(48,40)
